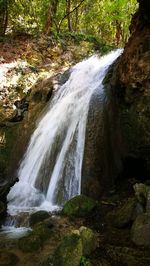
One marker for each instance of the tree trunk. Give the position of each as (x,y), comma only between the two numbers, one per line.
(118,32)
(76,19)
(3,17)
(50,16)
(68,10)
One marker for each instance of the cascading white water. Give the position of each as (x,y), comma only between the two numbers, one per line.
(50,172)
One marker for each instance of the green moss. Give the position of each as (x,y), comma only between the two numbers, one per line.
(79,206)
(35,239)
(29,243)
(89,241)
(38,217)
(42,230)
(69,252)
(125,215)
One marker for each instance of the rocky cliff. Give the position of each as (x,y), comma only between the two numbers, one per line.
(129,94)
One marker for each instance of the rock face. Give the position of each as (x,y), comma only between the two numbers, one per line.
(118,130)
(15,132)
(130,89)
(101,161)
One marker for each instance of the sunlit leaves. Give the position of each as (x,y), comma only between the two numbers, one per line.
(104,18)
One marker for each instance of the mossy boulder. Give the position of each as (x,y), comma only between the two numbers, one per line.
(69,252)
(73,248)
(79,206)
(140,232)
(125,215)
(38,217)
(89,241)
(35,239)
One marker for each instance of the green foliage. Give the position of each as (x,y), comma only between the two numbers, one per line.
(109,20)
(84,261)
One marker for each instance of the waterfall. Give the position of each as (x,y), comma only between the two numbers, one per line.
(50,172)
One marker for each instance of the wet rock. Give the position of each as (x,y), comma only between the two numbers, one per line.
(21,108)
(64,77)
(93,161)
(140,232)
(3,210)
(69,251)
(35,239)
(42,91)
(79,206)
(125,215)
(4,190)
(8,258)
(38,217)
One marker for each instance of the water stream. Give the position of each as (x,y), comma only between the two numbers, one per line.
(50,172)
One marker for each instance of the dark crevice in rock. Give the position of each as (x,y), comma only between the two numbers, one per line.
(135,168)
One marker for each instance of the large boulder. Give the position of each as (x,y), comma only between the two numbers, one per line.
(79,206)
(74,247)
(140,232)
(126,214)
(89,240)
(69,251)
(38,217)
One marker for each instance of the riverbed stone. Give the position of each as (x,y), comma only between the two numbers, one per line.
(79,206)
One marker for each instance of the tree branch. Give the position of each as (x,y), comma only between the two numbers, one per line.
(66,15)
